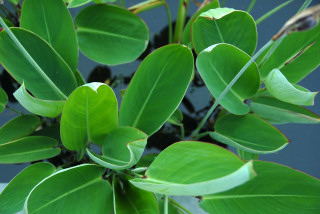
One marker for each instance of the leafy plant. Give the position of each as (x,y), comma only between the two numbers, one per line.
(88,157)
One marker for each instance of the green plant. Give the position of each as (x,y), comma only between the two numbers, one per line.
(93,154)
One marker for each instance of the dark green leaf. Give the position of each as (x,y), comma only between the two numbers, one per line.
(3,100)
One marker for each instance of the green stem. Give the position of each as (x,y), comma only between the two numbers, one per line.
(305,5)
(179,206)
(217,102)
(169,23)
(166,210)
(251,6)
(181,18)
(203,134)
(122,3)
(182,132)
(14,110)
(222,3)
(272,49)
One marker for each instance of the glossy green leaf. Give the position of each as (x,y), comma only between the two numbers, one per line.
(157,88)
(45,108)
(224,25)
(130,199)
(218,65)
(79,189)
(110,34)
(28,149)
(249,133)
(48,77)
(90,113)
(176,118)
(275,190)
(40,17)
(279,87)
(18,127)
(194,168)
(3,100)
(186,36)
(295,55)
(278,112)
(80,79)
(77,3)
(12,198)
(122,148)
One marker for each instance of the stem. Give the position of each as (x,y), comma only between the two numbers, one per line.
(166,210)
(182,132)
(169,23)
(272,49)
(14,110)
(122,3)
(305,5)
(251,6)
(179,206)
(182,13)
(222,3)
(217,102)
(198,136)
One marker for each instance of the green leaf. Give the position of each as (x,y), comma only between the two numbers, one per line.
(110,34)
(194,168)
(186,36)
(295,55)
(224,25)
(52,131)
(246,156)
(28,149)
(90,113)
(79,189)
(14,1)
(218,65)
(58,32)
(249,133)
(130,199)
(12,198)
(278,112)
(276,190)
(45,108)
(279,87)
(77,3)
(18,127)
(157,88)
(122,148)
(80,79)
(3,100)
(146,160)
(48,76)
(176,118)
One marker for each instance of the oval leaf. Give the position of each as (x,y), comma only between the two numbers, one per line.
(79,189)
(28,149)
(45,108)
(218,65)
(173,171)
(3,100)
(276,190)
(12,198)
(110,34)
(58,32)
(122,148)
(249,133)
(147,104)
(282,89)
(89,114)
(224,25)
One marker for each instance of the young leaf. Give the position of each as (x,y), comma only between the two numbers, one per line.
(176,118)
(110,34)
(249,133)
(122,148)
(218,65)
(224,25)
(90,113)
(28,149)
(79,189)
(276,190)
(282,89)
(194,168)
(157,88)
(45,108)
(3,100)
(278,112)
(58,32)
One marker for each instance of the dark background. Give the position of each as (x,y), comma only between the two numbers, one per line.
(302,153)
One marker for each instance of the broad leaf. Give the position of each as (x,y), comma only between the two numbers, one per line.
(186,36)
(275,190)
(28,149)
(218,65)
(12,198)
(194,168)
(45,108)
(278,112)
(279,87)
(224,25)
(58,32)
(47,77)
(157,88)
(130,199)
(3,100)
(18,127)
(122,148)
(90,113)
(79,189)
(249,133)
(110,34)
